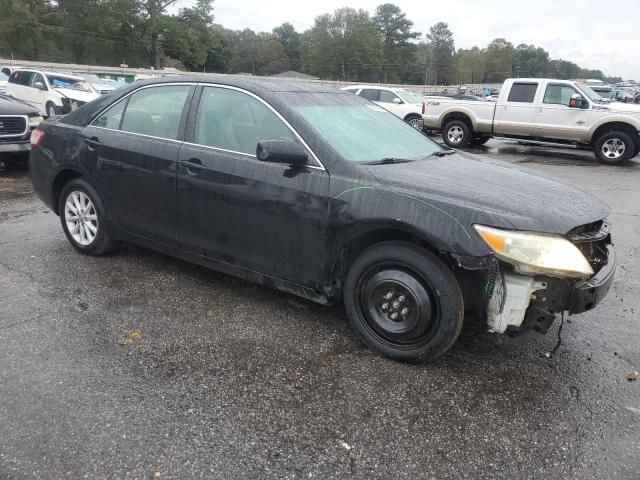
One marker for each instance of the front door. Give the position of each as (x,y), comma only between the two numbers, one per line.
(132,150)
(232,207)
(555,119)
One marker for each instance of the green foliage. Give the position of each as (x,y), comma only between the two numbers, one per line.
(347,44)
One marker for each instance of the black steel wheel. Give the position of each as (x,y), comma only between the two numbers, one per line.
(403,301)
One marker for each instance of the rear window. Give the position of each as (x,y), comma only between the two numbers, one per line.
(523,92)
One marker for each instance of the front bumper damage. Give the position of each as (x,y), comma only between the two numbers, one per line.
(520,302)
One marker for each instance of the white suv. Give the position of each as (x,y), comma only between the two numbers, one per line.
(52,93)
(407,105)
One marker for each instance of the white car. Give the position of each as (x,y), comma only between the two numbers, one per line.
(52,93)
(407,105)
(3,82)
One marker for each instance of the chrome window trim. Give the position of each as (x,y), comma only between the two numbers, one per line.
(26,128)
(137,134)
(207,84)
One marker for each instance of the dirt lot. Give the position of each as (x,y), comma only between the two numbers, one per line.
(141,366)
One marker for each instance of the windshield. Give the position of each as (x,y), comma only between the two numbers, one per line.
(69,82)
(592,95)
(365,133)
(409,96)
(91,78)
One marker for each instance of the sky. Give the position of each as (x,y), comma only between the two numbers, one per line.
(590,33)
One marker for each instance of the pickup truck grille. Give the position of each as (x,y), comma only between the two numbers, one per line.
(12,126)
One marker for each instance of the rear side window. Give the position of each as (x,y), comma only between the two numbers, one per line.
(155,111)
(21,78)
(232,120)
(370,94)
(523,92)
(111,118)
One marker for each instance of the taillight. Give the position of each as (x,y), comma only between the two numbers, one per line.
(424,108)
(36,137)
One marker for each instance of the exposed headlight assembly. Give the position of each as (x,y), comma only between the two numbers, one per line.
(536,253)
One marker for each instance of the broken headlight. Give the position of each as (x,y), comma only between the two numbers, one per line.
(536,253)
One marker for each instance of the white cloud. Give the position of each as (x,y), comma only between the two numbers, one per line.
(590,33)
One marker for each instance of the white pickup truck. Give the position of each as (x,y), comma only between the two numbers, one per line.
(541,110)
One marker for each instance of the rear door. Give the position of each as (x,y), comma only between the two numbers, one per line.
(132,149)
(555,119)
(515,115)
(232,207)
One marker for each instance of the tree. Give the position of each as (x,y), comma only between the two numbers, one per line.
(271,55)
(469,66)
(442,49)
(396,31)
(499,61)
(345,45)
(291,42)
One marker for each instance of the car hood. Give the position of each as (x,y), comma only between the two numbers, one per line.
(474,189)
(619,107)
(77,95)
(13,106)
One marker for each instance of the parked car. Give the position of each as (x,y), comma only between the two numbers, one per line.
(101,85)
(53,93)
(9,69)
(17,121)
(319,193)
(404,104)
(3,82)
(542,110)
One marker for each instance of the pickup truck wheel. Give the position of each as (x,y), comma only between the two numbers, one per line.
(480,140)
(614,148)
(51,109)
(83,219)
(456,134)
(403,302)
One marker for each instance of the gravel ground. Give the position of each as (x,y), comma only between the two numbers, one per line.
(137,366)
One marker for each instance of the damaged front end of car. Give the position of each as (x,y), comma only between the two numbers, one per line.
(530,277)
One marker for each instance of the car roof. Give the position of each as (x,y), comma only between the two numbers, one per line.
(375,87)
(50,72)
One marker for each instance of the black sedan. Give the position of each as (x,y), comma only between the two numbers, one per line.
(328,196)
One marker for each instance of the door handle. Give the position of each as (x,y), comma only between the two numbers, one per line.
(193,165)
(92,142)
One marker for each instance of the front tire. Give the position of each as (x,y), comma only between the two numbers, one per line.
(456,134)
(614,148)
(415,121)
(403,302)
(83,219)
(51,110)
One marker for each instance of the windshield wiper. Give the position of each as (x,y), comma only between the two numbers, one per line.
(441,153)
(387,160)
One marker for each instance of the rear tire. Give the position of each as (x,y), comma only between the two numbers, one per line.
(83,219)
(456,134)
(614,148)
(403,302)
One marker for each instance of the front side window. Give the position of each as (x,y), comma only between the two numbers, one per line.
(523,92)
(232,120)
(156,111)
(370,94)
(387,96)
(559,94)
(37,81)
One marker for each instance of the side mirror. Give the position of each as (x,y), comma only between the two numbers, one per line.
(578,101)
(397,101)
(281,151)
(39,86)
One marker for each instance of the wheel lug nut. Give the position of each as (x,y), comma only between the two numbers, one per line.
(395,305)
(393,316)
(384,306)
(388,296)
(404,312)
(401,299)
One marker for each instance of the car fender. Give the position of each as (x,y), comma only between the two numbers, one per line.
(630,120)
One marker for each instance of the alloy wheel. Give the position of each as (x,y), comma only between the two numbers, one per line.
(613,148)
(81,218)
(455,134)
